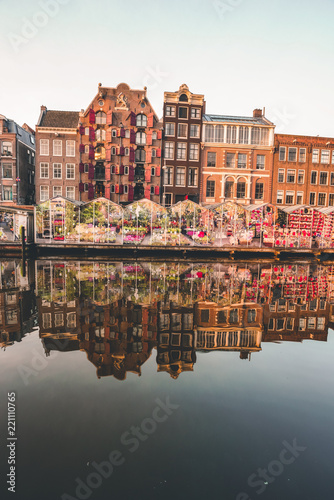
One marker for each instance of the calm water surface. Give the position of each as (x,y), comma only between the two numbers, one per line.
(139,380)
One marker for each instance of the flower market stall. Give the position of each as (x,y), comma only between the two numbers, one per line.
(229,223)
(192,221)
(326,238)
(260,225)
(303,224)
(100,222)
(56,220)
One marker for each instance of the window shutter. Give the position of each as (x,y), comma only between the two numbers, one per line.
(81,148)
(132,155)
(133,119)
(122,132)
(148,174)
(157,190)
(150,120)
(81,187)
(91,116)
(108,154)
(121,189)
(131,174)
(109,118)
(91,134)
(130,193)
(132,137)
(148,156)
(121,170)
(91,153)
(91,172)
(90,191)
(107,173)
(81,168)
(159,135)
(107,192)
(121,151)
(108,136)
(148,193)
(157,171)
(158,153)
(149,138)
(82,130)
(117,188)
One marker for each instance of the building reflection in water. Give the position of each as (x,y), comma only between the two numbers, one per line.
(119,312)
(17,302)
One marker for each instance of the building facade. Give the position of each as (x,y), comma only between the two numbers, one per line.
(182,121)
(303,171)
(17,149)
(120,147)
(237,158)
(57,155)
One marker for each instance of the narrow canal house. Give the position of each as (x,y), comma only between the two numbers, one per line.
(120,139)
(182,121)
(17,170)
(237,158)
(303,171)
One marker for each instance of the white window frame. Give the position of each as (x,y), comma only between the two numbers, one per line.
(321,183)
(301,172)
(72,188)
(196,127)
(167,170)
(290,193)
(279,197)
(194,112)
(46,189)
(170,110)
(72,167)
(325,195)
(281,149)
(184,176)
(55,188)
(296,152)
(281,171)
(169,151)
(300,155)
(182,126)
(57,147)
(70,148)
(44,147)
(61,170)
(169,133)
(193,152)
(316,178)
(315,156)
(182,150)
(46,166)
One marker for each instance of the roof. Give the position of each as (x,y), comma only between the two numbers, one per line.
(21,134)
(60,119)
(245,120)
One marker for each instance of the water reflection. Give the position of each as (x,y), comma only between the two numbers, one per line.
(119,312)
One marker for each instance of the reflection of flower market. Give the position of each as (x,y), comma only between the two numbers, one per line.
(185,224)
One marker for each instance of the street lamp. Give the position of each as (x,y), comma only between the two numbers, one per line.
(163,186)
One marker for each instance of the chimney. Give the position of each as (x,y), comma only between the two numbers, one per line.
(257,113)
(43,108)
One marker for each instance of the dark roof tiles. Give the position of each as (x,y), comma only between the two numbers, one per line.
(60,119)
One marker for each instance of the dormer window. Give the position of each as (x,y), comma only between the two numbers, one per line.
(183,98)
(141,120)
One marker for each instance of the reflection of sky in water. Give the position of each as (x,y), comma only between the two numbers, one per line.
(232,418)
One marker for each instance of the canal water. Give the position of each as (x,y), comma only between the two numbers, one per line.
(168,380)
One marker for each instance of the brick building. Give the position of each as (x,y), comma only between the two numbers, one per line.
(57,154)
(120,146)
(237,158)
(17,150)
(303,170)
(182,121)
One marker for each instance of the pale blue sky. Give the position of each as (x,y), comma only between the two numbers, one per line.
(241,54)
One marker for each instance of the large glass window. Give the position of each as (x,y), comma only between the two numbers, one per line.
(314,175)
(181,151)
(211,162)
(315,156)
(230,160)
(241,189)
(325,156)
(57,147)
(70,171)
(302,155)
(209,133)
(291,176)
(210,189)
(57,170)
(259,190)
(141,138)
(169,150)
(282,153)
(44,193)
(70,148)
(101,118)
(322,199)
(183,112)
(219,133)
(7,171)
(57,190)
(44,147)
(7,148)
(182,130)
(323,179)
(243,135)
(44,170)
(194,152)
(141,120)
(242,160)
(229,187)
(180,176)
(292,155)
(194,131)
(170,129)
(192,177)
(7,193)
(260,162)
(168,177)
(231,134)
(280,175)
(70,192)
(289,197)
(301,176)
(195,113)
(170,110)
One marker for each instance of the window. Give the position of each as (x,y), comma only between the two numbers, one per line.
(242,160)
(231,134)
(169,150)
(46,320)
(114,133)
(194,131)
(219,133)
(209,133)
(279,198)
(57,147)
(291,176)
(243,135)
(170,129)
(195,113)
(315,156)
(126,189)
(126,170)
(101,118)
(259,190)
(7,148)
(325,156)
(86,187)
(210,189)
(301,175)
(70,192)
(211,162)
(70,148)
(281,175)
(86,168)
(87,148)
(182,130)
(321,323)
(127,151)
(260,162)
(314,177)
(141,138)
(194,152)
(141,120)
(44,170)
(221,316)
(229,188)
(59,319)
(112,188)
(332,156)
(180,176)
(152,190)
(292,154)
(168,199)
(312,198)
(57,170)
(170,110)
(282,153)
(322,199)
(230,160)
(289,197)
(183,112)
(44,193)
(255,136)
(332,179)
(127,133)
(331,200)
(70,171)
(192,177)
(241,189)
(140,156)
(323,178)
(251,315)
(152,171)
(44,147)
(181,151)
(7,193)
(234,316)
(57,191)
(300,196)
(302,155)
(7,171)
(100,135)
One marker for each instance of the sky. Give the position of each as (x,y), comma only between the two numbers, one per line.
(241,54)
